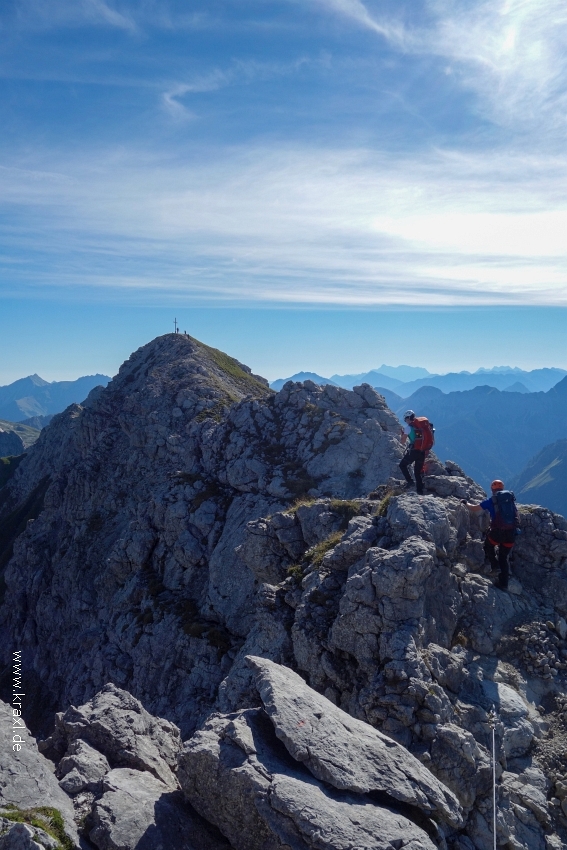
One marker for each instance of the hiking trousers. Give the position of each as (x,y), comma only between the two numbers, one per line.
(416,457)
(504,540)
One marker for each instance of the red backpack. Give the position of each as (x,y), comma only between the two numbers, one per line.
(424,435)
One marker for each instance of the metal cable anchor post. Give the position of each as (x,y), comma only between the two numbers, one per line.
(492,724)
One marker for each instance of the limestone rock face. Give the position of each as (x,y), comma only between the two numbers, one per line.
(136,803)
(236,776)
(27,781)
(141,497)
(119,730)
(23,836)
(82,767)
(342,751)
(138,811)
(186,517)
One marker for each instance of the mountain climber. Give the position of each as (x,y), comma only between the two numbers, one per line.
(501,506)
(418,434)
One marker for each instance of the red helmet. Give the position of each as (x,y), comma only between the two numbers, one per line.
(497,485)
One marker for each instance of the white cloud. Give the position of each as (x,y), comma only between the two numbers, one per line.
(176,109)
(510,52)
(240,72)
(358,12)
(304,226)
(47,14)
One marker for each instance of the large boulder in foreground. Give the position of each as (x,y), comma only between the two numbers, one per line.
(238,775)
(344,752)
(337,782)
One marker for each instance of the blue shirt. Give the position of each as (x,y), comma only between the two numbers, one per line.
(488,505)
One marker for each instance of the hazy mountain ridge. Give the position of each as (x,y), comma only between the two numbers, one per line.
(500,377)
(543,481)
(32,396)
(26,434)
(489,432)
(302,376)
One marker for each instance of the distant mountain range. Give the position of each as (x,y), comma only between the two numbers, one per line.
(302,376)
(490,433)
(543,481)
(405,380)
(32,396)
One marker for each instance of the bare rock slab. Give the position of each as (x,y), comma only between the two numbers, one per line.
(139,811)
(344,752)
(238,775)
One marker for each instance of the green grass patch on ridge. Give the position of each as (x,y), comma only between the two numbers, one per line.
(316,554)
(233,368)
(346,509)
(42,817)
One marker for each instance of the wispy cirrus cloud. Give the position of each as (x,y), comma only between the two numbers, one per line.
(510,52)
(50,14)
(358,12)
(205,83)
(239,73)
(301,226)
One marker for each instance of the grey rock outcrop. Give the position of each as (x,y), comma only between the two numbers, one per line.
(23,836)
(149,487)
(234,775)
(402,634)
(186,517)
(138,811)
(82,767)
(119,730)
(344,752)
(27,778)
(119,767)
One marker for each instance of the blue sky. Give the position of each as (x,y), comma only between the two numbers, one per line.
(322,185)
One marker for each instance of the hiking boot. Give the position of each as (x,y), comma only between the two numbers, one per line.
(409,484)
(501,585)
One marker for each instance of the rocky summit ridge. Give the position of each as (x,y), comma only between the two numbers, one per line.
(251,637)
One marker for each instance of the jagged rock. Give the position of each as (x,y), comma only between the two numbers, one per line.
(138,811)
(445,667)
(459,761)
(82,767)
(361,534)
(238,776)
(27,778)
(23,836)
(342,751)
(119,728)
(487,611)
(149,487)
(513,713)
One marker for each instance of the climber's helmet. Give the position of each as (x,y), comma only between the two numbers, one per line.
(409,414)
